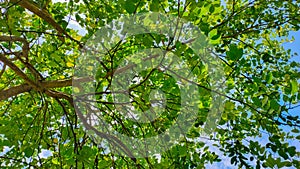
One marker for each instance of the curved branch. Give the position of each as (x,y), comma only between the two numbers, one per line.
(3,70)
(42,13)
(25,47)
(18,71)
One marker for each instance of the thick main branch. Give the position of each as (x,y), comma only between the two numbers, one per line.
(14,91)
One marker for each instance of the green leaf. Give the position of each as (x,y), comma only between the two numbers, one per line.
(283,154)
(55,161)
(129,7)
(224,116)
(154,5)
(274,104)
(214,37)
(264,100)
(182,151)
(213,33)
(234,52)
(256,101)
(28,152)
(229,105)
(147,41)
(294,85)
(295,130)
(292,151)
(269,77)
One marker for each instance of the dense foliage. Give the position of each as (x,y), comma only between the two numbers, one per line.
(41,42)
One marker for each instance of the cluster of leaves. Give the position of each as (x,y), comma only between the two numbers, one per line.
(39,46)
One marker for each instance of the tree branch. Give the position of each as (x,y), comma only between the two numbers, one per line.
(14,91)
(18,71)
(5,94)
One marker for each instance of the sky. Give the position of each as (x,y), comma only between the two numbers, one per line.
(294,46)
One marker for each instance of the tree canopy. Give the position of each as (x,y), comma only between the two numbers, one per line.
(216,70)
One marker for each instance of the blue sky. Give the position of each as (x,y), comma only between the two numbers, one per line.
(295,48)
(295,45)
